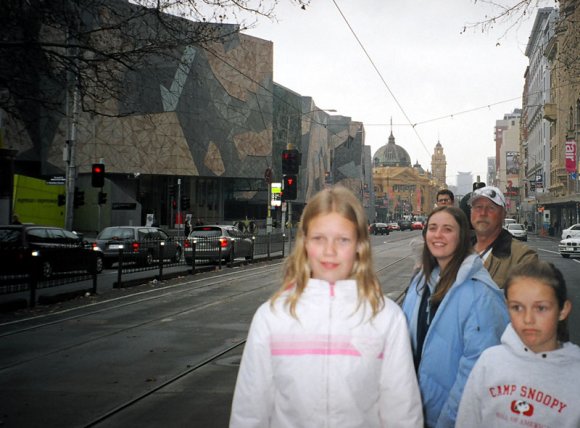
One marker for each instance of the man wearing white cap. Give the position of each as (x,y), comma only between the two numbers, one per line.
(495,245)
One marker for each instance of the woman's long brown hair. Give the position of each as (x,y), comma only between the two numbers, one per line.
(464,248)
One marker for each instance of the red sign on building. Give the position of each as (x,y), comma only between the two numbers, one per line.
(570,156)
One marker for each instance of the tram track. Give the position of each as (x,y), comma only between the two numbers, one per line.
(138,317)
(191,370)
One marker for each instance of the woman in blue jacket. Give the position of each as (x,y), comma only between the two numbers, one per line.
(454,311)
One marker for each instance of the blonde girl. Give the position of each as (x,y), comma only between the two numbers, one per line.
(531,379)
(328,349)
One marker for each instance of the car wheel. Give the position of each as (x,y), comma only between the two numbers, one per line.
(177,257)
(565,255)
(46,269)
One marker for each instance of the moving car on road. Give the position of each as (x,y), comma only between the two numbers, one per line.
(394,226)
(518,231)
(569,247)
(572,231)
(140,244)
(379,229)
(417,225)
(48,249)
(215,242)
(405,225)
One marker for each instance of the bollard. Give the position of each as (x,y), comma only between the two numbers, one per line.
(253,246)
(283,244)
(232,253)
(34,277)
(161,248)
(119,268)
(94,272)
(193,244)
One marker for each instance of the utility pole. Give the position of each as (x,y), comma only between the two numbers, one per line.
(72,105)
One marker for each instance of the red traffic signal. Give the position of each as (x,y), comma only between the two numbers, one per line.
(290,161)
(98,175)
(290,189)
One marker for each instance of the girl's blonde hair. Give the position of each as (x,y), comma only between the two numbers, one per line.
(296,269)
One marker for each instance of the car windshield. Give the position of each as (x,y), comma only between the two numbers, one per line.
(116,233)
(515,226)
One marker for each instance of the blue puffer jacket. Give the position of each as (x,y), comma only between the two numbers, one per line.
(471,318)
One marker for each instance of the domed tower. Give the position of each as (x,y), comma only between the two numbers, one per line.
(439,165)
(391,155)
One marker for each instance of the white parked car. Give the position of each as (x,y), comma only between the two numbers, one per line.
(572,231)
(569,247)
(518,231)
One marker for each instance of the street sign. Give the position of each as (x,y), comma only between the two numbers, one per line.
(276,195)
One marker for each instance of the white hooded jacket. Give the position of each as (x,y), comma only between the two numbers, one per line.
(512,386)
(331,367)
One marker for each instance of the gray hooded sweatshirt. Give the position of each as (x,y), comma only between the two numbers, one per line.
(511,386)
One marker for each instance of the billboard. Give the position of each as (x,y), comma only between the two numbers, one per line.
(512,161)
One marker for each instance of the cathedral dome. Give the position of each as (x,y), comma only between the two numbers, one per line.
(391,155)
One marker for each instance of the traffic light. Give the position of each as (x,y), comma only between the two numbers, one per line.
(290,161)
(290,189)
(185,203)
(79,199)
(61,200)
(102,198)
(98,175)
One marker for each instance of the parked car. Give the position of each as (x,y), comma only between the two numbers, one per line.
(417,225)
(213,242)
(518,231)
(379,229)
(572,231)
(140,244)
(569,247)
(405,225)
(394,226)
(54,249)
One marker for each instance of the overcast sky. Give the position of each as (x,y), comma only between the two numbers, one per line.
(434,72)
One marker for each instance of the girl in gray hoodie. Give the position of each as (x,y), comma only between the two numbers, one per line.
(531,379)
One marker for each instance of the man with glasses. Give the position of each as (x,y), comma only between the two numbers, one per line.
(445,197)
(495,245)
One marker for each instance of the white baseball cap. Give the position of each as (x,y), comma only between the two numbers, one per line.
(490,192)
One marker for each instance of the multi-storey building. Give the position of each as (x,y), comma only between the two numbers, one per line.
(535,128)
(198,132)
(563,112)
(402,190)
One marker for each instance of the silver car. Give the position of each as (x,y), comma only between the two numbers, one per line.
(518,231)
(215,242)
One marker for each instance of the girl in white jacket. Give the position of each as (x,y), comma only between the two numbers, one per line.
(531,379)
(328,349)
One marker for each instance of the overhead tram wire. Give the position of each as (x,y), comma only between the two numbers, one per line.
(413,125)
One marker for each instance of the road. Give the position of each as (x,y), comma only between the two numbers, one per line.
(164,355)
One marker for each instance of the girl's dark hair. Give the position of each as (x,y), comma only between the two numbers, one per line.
(464,248)
(548,274)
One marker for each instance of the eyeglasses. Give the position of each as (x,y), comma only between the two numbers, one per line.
(481,208)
